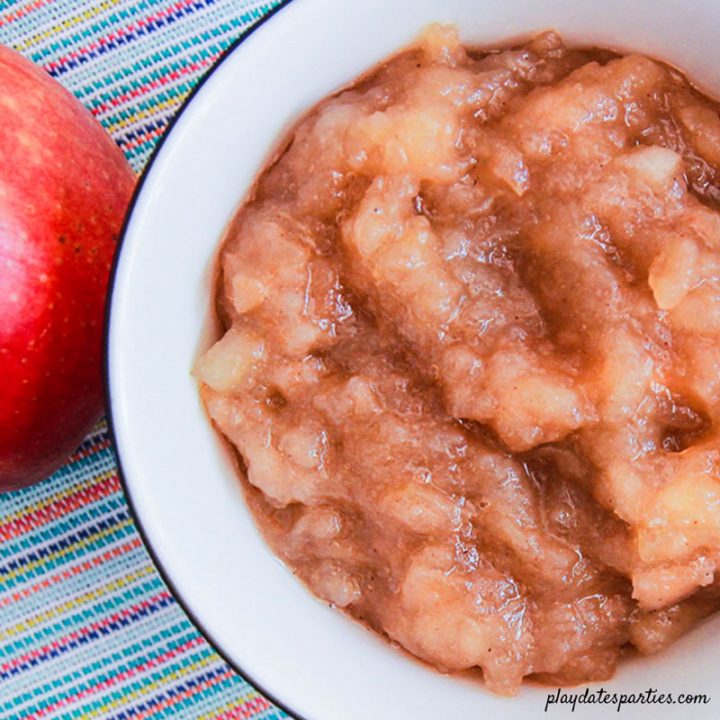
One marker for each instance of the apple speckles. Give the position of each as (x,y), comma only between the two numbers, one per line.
(9,102)
(26,141)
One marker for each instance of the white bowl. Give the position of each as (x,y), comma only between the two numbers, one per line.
(178,476)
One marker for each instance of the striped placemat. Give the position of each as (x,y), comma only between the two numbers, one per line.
(87,627)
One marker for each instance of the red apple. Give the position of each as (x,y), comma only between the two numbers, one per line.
(64,190)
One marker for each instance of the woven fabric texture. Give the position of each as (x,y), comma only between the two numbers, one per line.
(87,627)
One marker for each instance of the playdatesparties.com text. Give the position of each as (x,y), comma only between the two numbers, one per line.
(651,696)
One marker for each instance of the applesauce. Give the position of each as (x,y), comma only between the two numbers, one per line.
(471,360)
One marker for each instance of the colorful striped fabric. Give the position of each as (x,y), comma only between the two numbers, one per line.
(87,627)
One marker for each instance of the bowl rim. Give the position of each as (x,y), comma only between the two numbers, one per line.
(107,320)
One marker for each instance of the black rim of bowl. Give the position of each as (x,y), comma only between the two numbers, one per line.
(106,342)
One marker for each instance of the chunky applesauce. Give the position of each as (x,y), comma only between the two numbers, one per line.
(472,355)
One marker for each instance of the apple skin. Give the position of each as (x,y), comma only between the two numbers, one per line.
(64,189)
